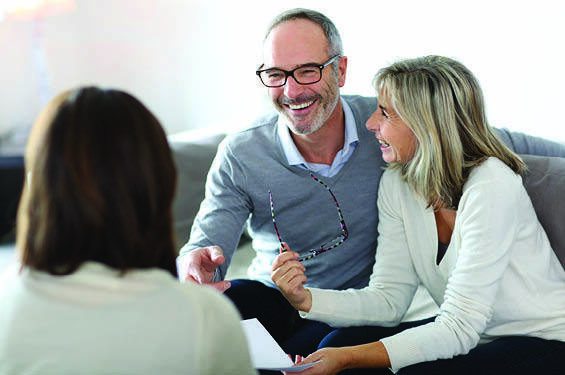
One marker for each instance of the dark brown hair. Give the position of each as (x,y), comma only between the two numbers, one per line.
(100,187)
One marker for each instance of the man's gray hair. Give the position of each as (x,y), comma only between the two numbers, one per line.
(335,46)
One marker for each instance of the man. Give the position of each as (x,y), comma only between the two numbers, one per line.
(313,171)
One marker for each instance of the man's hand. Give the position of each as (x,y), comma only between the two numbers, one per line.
(288,274)
(200,265)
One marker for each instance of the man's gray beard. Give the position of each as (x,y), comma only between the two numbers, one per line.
(312,128)
(316,124)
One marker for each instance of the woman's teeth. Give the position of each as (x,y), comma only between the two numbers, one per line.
(300,106)
(383,143)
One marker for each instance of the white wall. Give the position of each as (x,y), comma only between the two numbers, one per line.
(193,62)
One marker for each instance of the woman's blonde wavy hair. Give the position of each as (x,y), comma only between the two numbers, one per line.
(441,101)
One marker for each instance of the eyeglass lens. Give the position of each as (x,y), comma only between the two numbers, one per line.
(303,75)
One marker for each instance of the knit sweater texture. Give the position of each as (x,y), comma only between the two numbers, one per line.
(251,163)
(499,276)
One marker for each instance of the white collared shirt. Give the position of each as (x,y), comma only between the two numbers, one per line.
(294,157)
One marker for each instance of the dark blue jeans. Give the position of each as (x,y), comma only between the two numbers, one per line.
(513,355)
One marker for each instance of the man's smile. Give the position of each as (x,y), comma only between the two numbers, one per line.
(301,105)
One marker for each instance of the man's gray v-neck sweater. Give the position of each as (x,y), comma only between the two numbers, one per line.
(251,163)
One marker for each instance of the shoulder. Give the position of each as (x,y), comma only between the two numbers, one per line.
(195,292)
(362,106)
(261,132)
(491,184)
(205,307)
(361,102)
(219,326)
(392,179)
(209,320)
(393,187)
(212,305)
(491,170)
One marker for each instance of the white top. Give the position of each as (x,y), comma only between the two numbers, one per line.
(97,322)
(498,277)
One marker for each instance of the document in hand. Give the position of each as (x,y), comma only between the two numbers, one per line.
(265,353)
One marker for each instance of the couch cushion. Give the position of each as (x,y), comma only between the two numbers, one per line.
(193,159)
(545,182)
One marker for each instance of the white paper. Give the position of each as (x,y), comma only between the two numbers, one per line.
(265,353)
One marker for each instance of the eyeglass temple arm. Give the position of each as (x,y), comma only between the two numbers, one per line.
(273,217)
(340,214)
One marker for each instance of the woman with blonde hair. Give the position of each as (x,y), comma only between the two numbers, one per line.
(96,292)
(455,217)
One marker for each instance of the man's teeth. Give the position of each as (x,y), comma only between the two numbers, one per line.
(383,143)
(300,106)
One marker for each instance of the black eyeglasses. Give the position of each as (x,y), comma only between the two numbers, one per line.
(325,246)
(306,74)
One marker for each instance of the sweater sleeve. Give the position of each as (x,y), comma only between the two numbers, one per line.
(222,215)
(487,222)
(393,282)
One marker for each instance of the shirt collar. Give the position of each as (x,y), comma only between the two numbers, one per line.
(292,154)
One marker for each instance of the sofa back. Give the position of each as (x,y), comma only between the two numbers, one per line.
(545,183)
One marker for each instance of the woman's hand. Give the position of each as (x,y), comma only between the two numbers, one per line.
(288,274)
(333,360)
